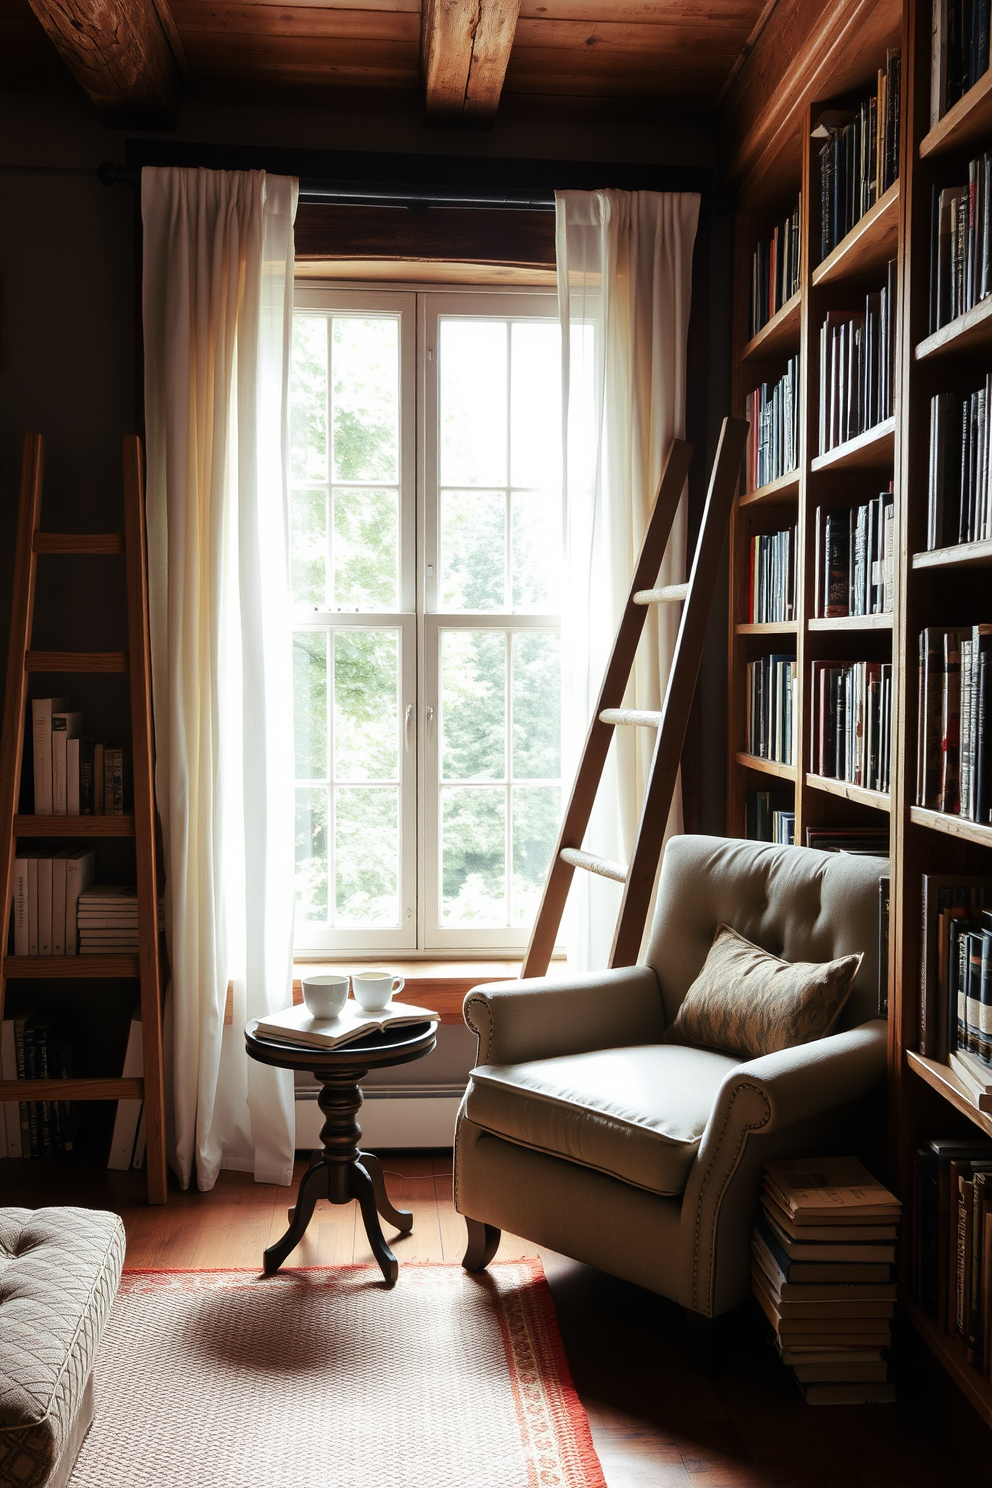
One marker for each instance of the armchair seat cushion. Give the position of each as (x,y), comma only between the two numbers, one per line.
(636,1113)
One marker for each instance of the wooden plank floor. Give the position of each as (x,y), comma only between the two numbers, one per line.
(656,1423)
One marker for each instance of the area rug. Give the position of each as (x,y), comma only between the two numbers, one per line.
(224,1379)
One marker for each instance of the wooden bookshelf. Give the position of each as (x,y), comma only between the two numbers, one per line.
(778,336)
(962,555)
(871,450)
(852,622)
(75,826)
(941,1077)
(868,246)
(971,331)
(878,800)
(786,488)
(952,826)
(967,124)
(768,627)
(950,1352)
(765,766)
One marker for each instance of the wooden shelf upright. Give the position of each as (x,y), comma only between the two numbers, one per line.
(136,664)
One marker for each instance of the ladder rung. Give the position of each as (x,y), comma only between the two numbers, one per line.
(668,594)
(605,867)
(76,661)
(78,542)
(635,717)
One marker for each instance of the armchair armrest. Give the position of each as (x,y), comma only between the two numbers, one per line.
(546,1016)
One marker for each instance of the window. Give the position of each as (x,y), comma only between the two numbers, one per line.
(426,555)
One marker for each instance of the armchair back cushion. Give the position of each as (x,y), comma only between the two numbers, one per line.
(796,903)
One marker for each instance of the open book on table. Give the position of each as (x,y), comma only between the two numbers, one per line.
(297,1025)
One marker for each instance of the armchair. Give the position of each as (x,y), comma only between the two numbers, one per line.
(584,1133)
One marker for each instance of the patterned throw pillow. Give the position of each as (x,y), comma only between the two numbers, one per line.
(747,1002)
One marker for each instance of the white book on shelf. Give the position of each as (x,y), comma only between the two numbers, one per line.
(72,776)
(20,901)
(41,739)
(8,1067)
(33,857)
(80,871)
(128,1111)
(65,726)
(59,876)
(44,905)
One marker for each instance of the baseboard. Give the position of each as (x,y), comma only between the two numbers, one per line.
(388,1120)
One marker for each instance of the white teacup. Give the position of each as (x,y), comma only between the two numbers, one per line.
(374,989)
(325,996)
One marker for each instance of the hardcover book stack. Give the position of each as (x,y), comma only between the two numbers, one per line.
(772,441)
(775,275)
(953,1259)
(851,738)
(955,695)
(771,817)
(853,558)
(108,920)
(772,590)
(823,1255)
(771,684)
(859,159)
(857,362)
(959,501)
(960,270)
(73,775)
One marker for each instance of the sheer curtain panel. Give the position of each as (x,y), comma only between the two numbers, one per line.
(624,290)
(217,301)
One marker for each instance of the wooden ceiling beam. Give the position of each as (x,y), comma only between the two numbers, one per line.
(464,49)
(126,55)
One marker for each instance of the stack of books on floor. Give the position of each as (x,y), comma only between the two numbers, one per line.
(108,920)
(822,1270)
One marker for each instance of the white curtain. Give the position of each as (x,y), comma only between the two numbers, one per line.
(624,289)
(217,317)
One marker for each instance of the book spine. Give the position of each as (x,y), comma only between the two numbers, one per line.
(44,906)
(41,735)
(21,941)
(86,791)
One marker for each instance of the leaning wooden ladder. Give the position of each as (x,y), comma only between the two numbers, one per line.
(696,597)
(21,662)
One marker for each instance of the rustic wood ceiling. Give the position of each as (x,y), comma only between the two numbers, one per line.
(135,58)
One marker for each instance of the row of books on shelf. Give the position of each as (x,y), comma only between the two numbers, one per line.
(959,492)
(772,579)
(823,1255)
(955,697)
(859,157)
(772,410)
(953,1242)
(857,365)
(40,1047)
(763,806)
(771,712)
(960,50)
(59,911)
(851,737)
(770,816)
(853,558)
(775,272)
(74,775)
(960,246)
(956,977)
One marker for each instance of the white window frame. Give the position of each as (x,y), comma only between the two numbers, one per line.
(419,307)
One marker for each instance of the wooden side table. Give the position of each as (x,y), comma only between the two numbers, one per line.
(340,1171)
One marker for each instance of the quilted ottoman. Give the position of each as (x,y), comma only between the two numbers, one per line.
(59,1272)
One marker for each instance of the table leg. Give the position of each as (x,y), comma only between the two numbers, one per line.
(313,1186)
(401,1218)
(364,1191)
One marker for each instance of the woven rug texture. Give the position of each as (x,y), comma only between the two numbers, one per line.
(224,1379)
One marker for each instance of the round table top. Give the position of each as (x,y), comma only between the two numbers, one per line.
(374,1051)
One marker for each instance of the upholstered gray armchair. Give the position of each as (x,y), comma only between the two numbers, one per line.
(581,1131)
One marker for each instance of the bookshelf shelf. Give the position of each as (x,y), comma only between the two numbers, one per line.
(76,661)
(778,335)
(869,245)
(880,800)
(941,1077)
(951,1354)
(871,450)
(962,555)
(783,489)
(953,826)
(70,966)
(765,766)
(968,122)
(971,331)
(852,622)
(777,627)
(88,1089)
(74,826)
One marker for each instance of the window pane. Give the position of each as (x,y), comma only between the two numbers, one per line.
(473,856)
(366,550)
(366,855)
(472,402)
(310,703)
(535,404)
(473,704)
(309,549)
(308,396)
(366,705)
(311,853)
(536,691)
(536,537)
(365,372)
(536,812)
(473,550)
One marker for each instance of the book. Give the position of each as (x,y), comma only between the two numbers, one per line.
(72,777)
(41,739)
(819,1310)
(776,1260)
(849,1394)
(44,905)
(65,726)
(833,1233)
(831,1249)
(974,1076)
(829,1190)
(20,904)
(59,881)
(296,1025)
(80,873)
(128,1111)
